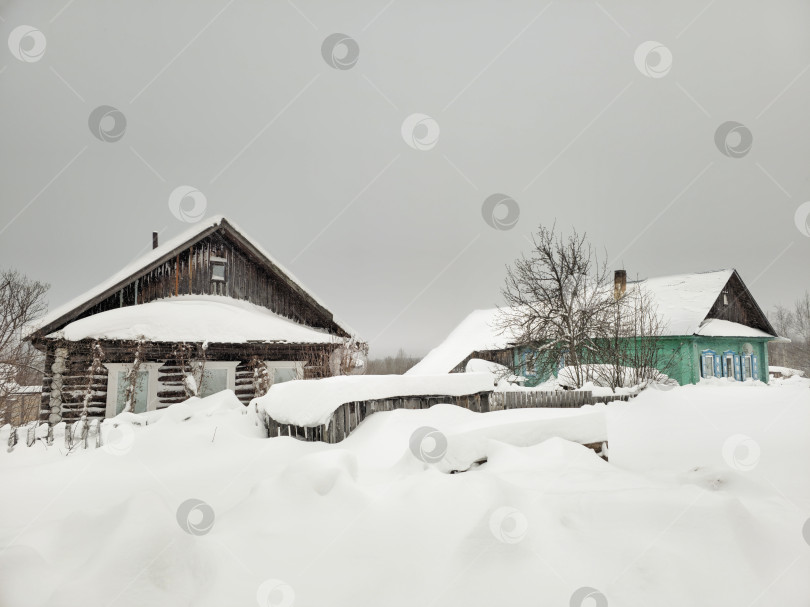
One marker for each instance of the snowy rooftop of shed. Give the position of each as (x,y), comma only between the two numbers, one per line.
(194,318)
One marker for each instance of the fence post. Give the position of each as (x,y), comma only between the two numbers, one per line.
(68,436)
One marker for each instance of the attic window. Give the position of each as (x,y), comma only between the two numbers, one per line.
(218,268)
(725,298)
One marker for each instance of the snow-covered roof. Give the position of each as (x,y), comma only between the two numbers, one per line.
(478,332)
(682,302)
(14,388)
(155,255)
(311,402)
(714,327)
(193,318)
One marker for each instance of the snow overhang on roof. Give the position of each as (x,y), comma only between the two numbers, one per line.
(62,314)
(714,327)
(194,318)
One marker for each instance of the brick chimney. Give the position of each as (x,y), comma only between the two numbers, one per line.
(619,283)
(154,240)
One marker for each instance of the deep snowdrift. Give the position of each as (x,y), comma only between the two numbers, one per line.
(703,503)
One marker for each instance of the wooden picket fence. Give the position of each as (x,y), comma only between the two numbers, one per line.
(76,435)
(349,415)
(529,399)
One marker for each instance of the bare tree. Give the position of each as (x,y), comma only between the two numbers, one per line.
(22,300)
(559,303)
(563,307)
(631,352)
(351,358)
(261,376)
(93,372)
(191,360)
(133,377)
(795,325)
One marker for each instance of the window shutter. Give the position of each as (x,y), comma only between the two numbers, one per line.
(718,366)
(737,368)
(703,365)
(755,366)
(723,365)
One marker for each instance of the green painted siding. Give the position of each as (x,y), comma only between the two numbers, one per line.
(684,353)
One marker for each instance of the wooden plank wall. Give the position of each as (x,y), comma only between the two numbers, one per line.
(189,273)
(740,308)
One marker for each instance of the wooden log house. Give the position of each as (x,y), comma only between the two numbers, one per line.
(211,302)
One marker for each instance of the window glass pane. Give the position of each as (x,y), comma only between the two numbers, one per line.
(282,374)
(709,367)
(214,380)
(217,271)
(748,372)
(141,391)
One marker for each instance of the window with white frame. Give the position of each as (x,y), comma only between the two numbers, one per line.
(217,376)
(280,371)
(144,385)
(708,365)
(748,372)
(218,268)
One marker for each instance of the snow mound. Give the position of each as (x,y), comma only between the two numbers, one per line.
(197,513)
(466,448)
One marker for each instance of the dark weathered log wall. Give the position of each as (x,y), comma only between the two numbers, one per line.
(189,273)
(170,389)
(741,307)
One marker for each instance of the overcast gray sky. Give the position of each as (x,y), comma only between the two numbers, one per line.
(560,106)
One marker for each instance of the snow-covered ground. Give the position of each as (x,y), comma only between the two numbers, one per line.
(705,501)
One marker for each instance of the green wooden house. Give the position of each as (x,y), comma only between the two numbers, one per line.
(713,328)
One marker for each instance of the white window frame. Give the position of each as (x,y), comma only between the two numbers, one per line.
(298,365)
(217,261)
(229,366)
(706,358)
(113,369)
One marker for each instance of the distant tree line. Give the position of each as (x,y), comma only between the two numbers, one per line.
(392,365)
(793,323)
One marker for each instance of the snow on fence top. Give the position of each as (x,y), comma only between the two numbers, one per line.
(312,402)
(211,318)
